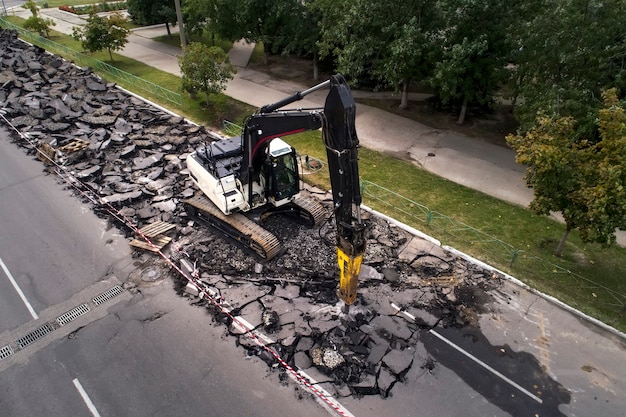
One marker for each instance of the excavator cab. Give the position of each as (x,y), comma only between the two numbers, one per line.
(282,173)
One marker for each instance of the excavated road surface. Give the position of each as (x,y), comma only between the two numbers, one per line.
(130,154)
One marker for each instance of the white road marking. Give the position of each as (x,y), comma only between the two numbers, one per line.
(19,290)
(475,359)
(487,367)
(86,398)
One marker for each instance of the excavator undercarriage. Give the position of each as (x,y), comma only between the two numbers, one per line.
(246,232)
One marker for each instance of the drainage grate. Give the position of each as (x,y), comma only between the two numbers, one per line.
(5,352)
(34,335)
(73,314)
(107,295)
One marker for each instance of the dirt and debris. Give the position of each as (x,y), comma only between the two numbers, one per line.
(132,154)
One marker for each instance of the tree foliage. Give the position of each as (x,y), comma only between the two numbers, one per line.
(265,20)
(152,12)
(36,22)
(458,46)
(199,15)
(300,35)
(582,179)
(283,26)
(275,23)
(204,69)
(410,53)
(384,43)
(563,53)
(566,55)
(101,33)
(473,52)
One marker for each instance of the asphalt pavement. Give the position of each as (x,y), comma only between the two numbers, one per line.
(586,360)
(469,161)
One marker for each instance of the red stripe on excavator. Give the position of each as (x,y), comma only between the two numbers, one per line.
(291,132)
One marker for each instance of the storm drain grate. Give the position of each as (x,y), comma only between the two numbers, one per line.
(107,295)
(34,335)
(73,314)
(5,352)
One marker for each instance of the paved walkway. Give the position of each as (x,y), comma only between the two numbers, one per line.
(469,161)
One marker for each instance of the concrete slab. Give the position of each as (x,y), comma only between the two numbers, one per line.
(398,361)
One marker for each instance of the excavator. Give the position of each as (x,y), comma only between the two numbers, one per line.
(259,171)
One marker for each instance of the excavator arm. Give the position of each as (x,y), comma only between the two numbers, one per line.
(342,145)
(337,120)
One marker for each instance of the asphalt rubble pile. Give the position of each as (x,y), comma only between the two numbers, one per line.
(132,154)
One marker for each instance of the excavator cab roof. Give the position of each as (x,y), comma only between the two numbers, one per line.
(279,147)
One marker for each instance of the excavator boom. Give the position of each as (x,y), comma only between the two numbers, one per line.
(339,134)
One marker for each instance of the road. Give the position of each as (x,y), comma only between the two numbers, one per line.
(51,246)
(7,5)
(140,353)
(149,352)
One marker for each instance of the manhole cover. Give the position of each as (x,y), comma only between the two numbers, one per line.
(310,165)
(315,164)
(151,273)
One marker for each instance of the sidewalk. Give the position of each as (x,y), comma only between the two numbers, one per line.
(469,161)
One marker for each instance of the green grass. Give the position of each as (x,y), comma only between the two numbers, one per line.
(57,3)
(535,237)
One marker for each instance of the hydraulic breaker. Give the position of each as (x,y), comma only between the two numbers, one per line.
(349,268)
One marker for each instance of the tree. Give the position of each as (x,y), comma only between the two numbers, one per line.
(277,24)
(197,14)
(470,64)
(217,17)
(205,69)
(36,22)
(566,55)
(584,180)
(410,52)
(267,21)
(103,33)
(282,26)
(384,43)
(301,32)
(453,74)
(152,12)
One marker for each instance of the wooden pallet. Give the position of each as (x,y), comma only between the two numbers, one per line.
(74,146)
(156,229)
(155,233)
(46,153)
(158,243)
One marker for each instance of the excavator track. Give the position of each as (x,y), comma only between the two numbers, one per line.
(236,226)
(305,210)
(311,209)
